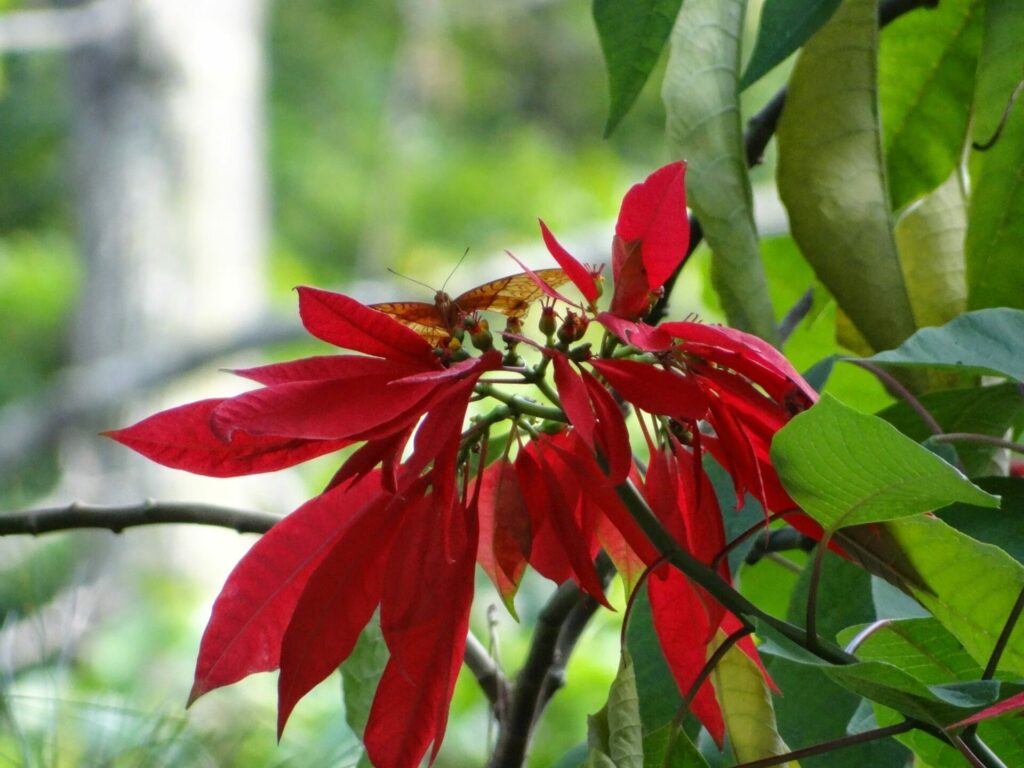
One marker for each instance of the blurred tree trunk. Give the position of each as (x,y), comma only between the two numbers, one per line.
(169,181)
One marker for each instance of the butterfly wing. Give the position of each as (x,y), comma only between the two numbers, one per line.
(423,318)
(510,295)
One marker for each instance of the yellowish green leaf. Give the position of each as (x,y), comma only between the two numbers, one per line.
(831,175)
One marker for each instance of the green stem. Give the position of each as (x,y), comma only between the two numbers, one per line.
(971,437)
(520,405)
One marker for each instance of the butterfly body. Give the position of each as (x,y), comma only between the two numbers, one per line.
(511,296)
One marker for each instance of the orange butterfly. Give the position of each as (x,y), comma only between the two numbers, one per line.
(510,295)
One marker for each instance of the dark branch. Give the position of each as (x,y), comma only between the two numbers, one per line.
(38,521)
(831,746)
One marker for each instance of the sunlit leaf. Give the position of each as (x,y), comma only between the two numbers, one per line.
(847,468)
(704,126)
(633,34)
(930,239)
(831,177)
(984,341)
(747,708)
(926,70)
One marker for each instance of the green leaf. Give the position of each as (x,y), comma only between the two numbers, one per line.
(926,650)
(702,106)
(361,672)
(616,736)
(984,341)
(847,468)
(633,34)
(747,708)
(995,231)
(930,240)
(1003,527)
(832,180)
(670,747)
(980,410)
(894,687)
(971,586)
(926,69)
(785,25)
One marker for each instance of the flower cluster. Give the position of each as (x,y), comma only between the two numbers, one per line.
(415,504)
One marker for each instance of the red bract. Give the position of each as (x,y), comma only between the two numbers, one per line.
(415,504)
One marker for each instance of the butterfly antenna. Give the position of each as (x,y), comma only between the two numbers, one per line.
(455,268)
(410,279)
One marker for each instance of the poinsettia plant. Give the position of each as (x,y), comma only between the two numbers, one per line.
(421,497)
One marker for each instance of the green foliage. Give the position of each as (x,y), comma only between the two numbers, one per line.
(926,72)
(996,225)
(848,468)
(831,175)
(633,35)
(360,674)
(988,341)
(785,25)
(979,410)
(702,106)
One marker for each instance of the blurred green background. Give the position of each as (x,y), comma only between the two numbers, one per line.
(387,135)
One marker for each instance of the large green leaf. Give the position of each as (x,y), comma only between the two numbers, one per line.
(832,179)
(747,708)
(930,240)
(995,269)
(844,468)
(823,709)
(888,684)
(702,104)
(981,410)
(1003,527)
(971,586)
(984,341)
(785,25)
(926,68)
(633,34)
(927,651)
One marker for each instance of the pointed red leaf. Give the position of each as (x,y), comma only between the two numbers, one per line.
(683,629)
(547,555)
(1003,707)
(256,602)
(612,435)
(344,322)
(337,601)
(744,353)
(654,212)
(566,510)
(632,294)
(505,530)
(321,367)
(358,407)
(386,451)
(424,618)
(540,282)
(181,438)
(577,273)
(575,400)
(648,338)
(654,389)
